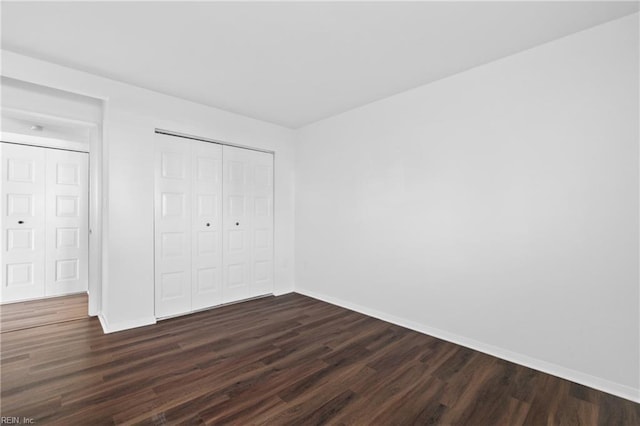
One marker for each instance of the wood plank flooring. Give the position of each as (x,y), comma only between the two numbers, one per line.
(34,313)
(288,360)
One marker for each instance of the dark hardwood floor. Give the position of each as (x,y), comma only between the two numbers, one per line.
(35,313)
(290,360)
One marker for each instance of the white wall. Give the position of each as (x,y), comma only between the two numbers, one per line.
(497,208)
(131,115)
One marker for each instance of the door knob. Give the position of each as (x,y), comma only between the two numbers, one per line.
(20,222)
(208,224)
(237,223)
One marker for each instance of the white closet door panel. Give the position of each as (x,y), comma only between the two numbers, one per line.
(262,233)
(247,191)
(67,212)
(23,222)
(236,224)
(206,245)
(173,268)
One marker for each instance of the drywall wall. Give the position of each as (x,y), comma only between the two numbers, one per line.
(131,115)
(497,208)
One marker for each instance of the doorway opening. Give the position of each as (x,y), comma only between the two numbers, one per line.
(50,213)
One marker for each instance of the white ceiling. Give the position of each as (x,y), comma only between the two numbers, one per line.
(290,63)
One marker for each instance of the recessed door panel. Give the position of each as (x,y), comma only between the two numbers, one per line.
(23,222)
(236,239)
(236,275)
(262,239)
(172,165)
(208,281)
(20,204)
(173,205)
(172,286)
(67,174)
(67,270)
(68,238)
(235,169)
(263,175)
(173,244)
(262,206)
(20,239)
(236,204)
(67,206)
(207,243)
(20,275)
(21,170)
(207,164)
(207,206)
(262,271)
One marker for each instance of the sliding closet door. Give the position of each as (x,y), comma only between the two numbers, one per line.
(67,235)
(213,225)
(23,222)
(206,224)
(262,233)
(247,223)
(173,268)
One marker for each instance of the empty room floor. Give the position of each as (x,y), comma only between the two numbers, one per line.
(280,360)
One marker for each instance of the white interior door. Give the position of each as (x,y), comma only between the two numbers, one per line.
(247,223)
(173,265)
(23,222)
(206,246)
(67,222)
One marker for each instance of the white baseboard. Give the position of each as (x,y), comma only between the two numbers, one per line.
(283,292)
(123,325)
(604,385)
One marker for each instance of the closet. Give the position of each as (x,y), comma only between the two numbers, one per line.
(45,222)
(213,224)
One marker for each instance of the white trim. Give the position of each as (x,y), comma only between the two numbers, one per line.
(95,220)
(282,293)
(604,385)
(211,308)
(103,322)
(23,114)
(123,325)
(43,142)
(34,299)
(209,140)
(92,310)
(102,204)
